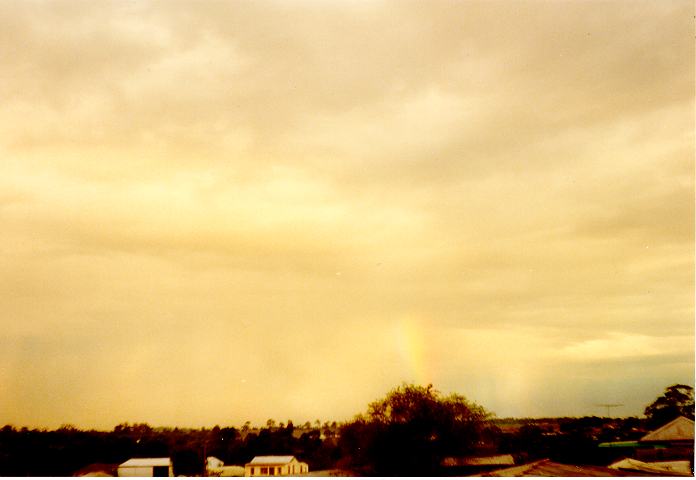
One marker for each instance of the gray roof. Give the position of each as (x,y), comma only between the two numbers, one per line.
(681,428)
(271,460)
(147,462)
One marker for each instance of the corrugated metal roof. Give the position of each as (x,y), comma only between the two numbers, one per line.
(680,428)
(680,468)
(271,460)
(478,461)
(547,468)
(147,462)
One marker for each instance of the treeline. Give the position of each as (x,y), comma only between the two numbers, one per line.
(61,452)
(362,446)
(408,432)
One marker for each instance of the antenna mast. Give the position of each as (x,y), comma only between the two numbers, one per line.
(609,406)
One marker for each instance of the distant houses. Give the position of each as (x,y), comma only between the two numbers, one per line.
(667,451)
(146,467)
(274,466)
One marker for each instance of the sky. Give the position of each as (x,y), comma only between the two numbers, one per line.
(214,212)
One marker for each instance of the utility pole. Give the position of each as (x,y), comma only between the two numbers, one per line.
(609,406)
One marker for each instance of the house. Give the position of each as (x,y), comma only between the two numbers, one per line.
(146,467)
(679,430)
(673,441)
(274,465)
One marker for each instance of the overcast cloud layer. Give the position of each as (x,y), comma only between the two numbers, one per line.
(215,212)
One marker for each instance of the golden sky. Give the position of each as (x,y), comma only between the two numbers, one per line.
(215,212)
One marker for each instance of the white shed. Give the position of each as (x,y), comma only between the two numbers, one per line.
(146,467)
(211,463)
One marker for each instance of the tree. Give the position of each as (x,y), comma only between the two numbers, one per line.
(411,430)
(678,400)
(187,462)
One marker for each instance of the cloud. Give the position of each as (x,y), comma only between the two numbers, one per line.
(618,345)
(215,201)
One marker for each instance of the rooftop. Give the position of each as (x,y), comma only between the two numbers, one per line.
(674,468)
(147,462)
(271,460)
(681,428)
(478,461)
(547,468)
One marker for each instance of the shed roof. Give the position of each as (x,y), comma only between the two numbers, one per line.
(271,460)
(147,462)
(681,428)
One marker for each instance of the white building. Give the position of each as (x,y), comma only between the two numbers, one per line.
(146,467)
(212,463)
(274,466)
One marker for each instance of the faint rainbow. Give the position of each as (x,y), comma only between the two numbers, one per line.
(410,339)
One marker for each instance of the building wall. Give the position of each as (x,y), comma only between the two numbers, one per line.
(293,468)
(135,472)
(144,471)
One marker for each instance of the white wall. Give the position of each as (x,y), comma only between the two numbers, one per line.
(135,471)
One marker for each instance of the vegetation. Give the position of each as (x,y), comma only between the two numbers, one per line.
(678,400)
(61,452)
(411,430)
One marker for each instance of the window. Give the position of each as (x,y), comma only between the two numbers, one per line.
(264,470)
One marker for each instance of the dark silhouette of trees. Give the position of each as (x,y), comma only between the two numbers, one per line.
(187,461)
(62,452)
(678,400)
(408,432)
(411,430)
